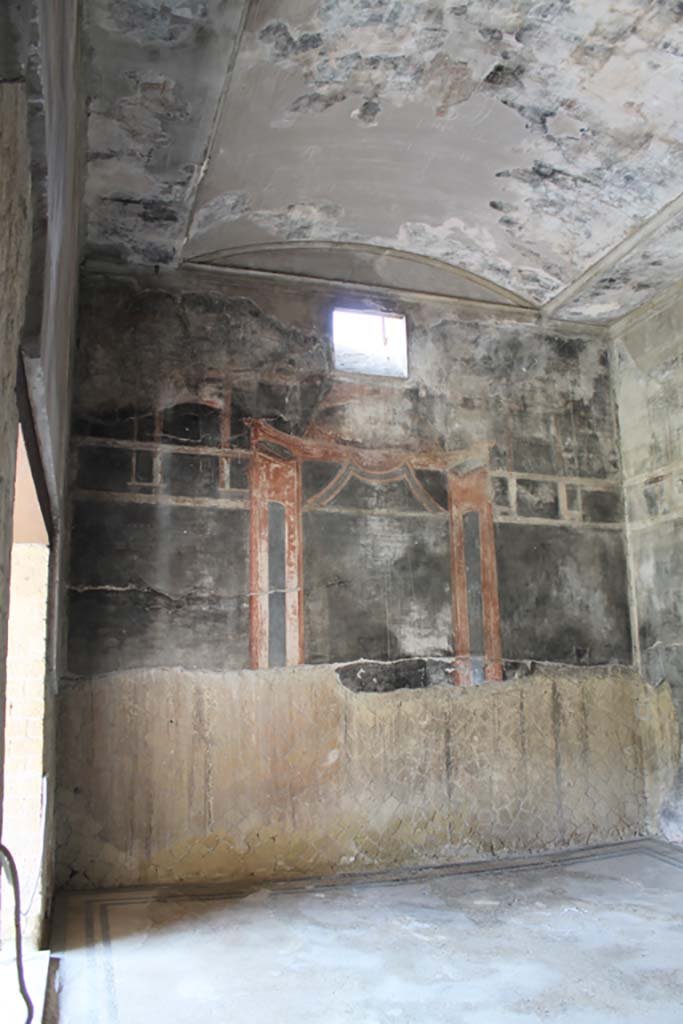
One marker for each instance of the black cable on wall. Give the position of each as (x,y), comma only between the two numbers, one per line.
(7,859)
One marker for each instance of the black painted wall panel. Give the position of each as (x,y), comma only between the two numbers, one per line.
(113,631)
(277,611)
(562,594)
(157,581)
(475,607)
(376,586)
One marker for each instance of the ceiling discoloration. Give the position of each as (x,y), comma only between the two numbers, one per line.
(638,276)
(520,141)
(156,71)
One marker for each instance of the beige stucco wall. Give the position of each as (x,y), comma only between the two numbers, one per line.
(15,233)
(173,776)
(24,808)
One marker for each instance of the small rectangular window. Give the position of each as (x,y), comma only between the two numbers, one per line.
(373,343)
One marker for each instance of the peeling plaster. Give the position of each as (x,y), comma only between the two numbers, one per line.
(161,23)
(633,280)
(156,72)
(519,141)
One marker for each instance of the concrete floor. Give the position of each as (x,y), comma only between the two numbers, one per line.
(585,938)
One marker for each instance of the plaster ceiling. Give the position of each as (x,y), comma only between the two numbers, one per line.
(505,150)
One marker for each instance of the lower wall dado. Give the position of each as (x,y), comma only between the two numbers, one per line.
(289,772)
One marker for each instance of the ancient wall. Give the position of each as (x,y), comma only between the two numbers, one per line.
(56,120)
(239,503)
(40,215)
(14,256)
(358,545)
(169,775)
(649,386)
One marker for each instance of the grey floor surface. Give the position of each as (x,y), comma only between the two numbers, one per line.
(585,938)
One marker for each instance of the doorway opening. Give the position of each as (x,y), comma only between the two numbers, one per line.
(25,781)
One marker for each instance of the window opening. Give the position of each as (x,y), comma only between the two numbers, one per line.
(369,342)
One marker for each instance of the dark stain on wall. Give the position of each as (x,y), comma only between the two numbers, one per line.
(190,423)
(602,506)
(538,498)
(194,477)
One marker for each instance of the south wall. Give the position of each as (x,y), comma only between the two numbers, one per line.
(172,370)
(240,508)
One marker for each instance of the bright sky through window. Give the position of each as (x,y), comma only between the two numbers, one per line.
(370,343)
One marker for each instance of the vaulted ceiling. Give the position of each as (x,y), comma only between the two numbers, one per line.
(506,150)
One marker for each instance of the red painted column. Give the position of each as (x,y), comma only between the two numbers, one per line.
(272,479)
(470,493)
(258,561)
